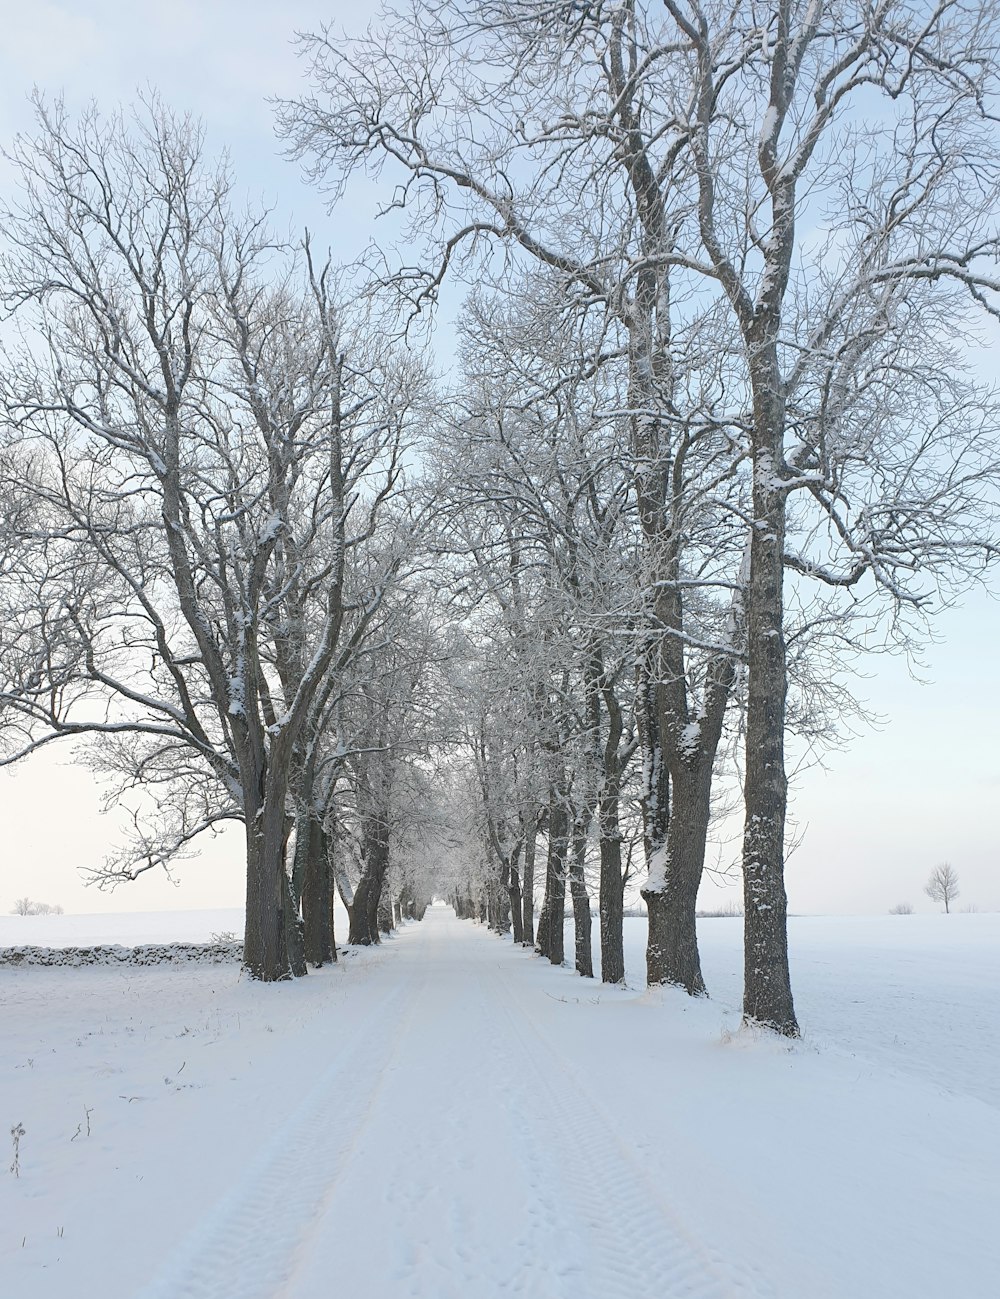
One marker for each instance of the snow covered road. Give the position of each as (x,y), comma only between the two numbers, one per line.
(446,1153)
(450,1116)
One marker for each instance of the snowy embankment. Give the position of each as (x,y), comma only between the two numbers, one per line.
(447,1115)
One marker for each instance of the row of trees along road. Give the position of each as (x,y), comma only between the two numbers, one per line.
(712,432)
(768,224)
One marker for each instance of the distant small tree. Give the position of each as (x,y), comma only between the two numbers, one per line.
(901,909)
(942,886)
(25,907)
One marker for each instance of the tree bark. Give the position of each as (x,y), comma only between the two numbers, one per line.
(672,951)
(767,993)
(550,922)
(364,929)
(528,882)
(265,951)
(514,894)
(583,953)
(612,889)
(384,908)
(316,896)
(328,848)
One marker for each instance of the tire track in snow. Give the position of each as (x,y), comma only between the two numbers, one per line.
(641,1246)
(249,1245)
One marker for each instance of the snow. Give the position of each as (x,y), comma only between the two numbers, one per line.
(916,994)
(125,928)
(655,879)
(690,739)
(769,127)
(447,1115)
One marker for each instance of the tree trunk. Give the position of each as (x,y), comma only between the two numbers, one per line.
(655,797)
(295,943)
(316,896)
(514,893)
(550,922)
(612,885)
(359,930)
(384,909)
(364,909)
(265,950)
(328,848)
(584,957)
(545,914)
(612,889)
(672,894)
(528,884)
(295,938)
(767,991)
(502,908)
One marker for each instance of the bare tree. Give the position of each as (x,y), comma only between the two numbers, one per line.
(25,907)
(942,885)
(209,443)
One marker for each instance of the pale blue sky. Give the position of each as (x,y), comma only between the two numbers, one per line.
(923,789)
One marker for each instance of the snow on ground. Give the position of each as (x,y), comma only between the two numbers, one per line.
(917,994)
(128,929)
(449,1116)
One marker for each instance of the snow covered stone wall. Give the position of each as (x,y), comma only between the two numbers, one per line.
(215,953)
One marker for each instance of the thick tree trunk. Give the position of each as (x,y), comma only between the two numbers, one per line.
(767,993)
(384,909)
(497,886)
(528,884)
(295,938)
(502,908)
(655,790)
(672,895)
(655,796)
(328,848)
(514,894)
(316,896)
(364,929)
(265,950)
(360,930)
(612,889)
(583,953)
(544,914)
(295,943)
(550,922)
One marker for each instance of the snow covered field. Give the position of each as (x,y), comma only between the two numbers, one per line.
(448,1116)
